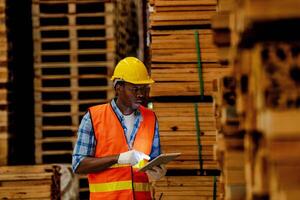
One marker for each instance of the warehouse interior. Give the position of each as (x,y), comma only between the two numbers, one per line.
(226,92)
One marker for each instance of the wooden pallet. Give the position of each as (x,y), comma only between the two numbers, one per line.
(74,51)
(30,182)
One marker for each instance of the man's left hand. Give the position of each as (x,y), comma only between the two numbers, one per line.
(156,173)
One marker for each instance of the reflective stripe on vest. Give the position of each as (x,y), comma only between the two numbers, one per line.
(120,185)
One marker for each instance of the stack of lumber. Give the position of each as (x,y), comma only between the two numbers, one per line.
(184,64)
(3,87)
(173,47)
(188,187)
(178,133)
(30,182)
(230,141)
(266,71)
(277,116)
(73,58)
(174,62)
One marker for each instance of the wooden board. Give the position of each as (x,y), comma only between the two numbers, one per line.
(176,13)
(182,187)
(279,123)
(23,182)
(178,133)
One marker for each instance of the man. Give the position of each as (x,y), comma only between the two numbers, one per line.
(116,139)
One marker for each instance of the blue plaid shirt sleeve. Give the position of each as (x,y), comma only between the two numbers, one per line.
(156,151)
(86,143)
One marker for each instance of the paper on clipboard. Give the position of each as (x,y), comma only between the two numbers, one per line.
(161,159)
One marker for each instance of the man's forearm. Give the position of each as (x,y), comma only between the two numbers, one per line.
(94,165)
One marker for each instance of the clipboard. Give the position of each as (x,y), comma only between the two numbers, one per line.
(161,159)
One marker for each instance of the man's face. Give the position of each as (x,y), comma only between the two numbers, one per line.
(132,95)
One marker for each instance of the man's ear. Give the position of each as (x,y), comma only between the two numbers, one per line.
(118,88)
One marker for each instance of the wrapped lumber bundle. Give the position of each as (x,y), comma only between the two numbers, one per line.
(188,187)
(179,133)
(3,86)
(30,182)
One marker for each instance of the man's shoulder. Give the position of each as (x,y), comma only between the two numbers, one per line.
(146,110)
(99,107)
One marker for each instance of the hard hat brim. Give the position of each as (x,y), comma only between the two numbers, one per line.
(149,81)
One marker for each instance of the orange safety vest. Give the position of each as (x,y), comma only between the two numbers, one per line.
(121,182)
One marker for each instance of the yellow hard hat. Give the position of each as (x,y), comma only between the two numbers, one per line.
(132,70)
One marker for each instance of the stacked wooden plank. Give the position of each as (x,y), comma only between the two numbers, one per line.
(230,138)
(230,141)
(73,56)
(178,133)
(174,58)
(180,12)
(30,182)
(175,32)
(277,116)
(184,63)
(188,187)
(3,86)
(267,74)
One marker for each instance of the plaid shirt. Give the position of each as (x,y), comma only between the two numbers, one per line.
(86,143)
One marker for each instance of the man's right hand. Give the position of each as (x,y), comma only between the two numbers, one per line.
(132,157)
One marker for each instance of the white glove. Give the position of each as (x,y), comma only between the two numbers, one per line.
(156,173)
(132,157)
